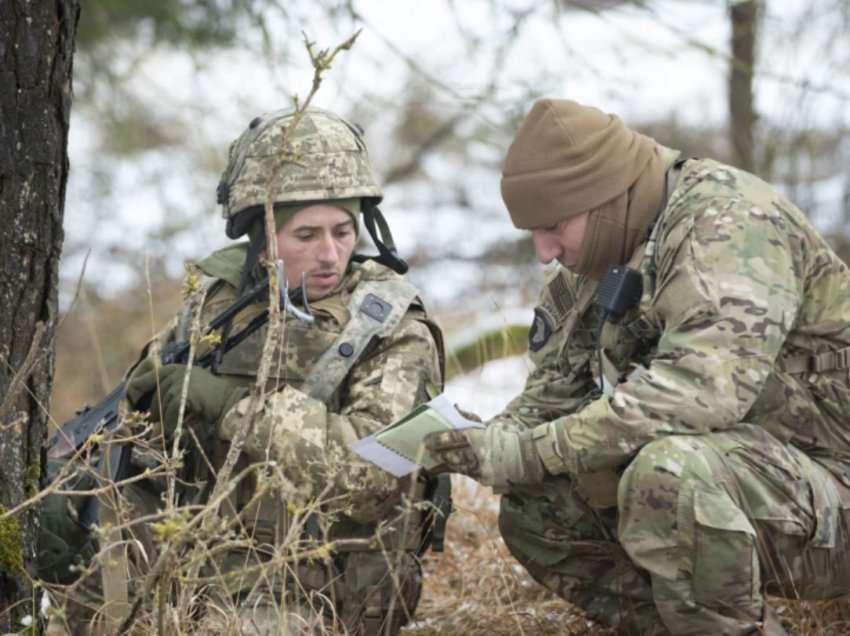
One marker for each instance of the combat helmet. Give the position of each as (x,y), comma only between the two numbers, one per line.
(324,158)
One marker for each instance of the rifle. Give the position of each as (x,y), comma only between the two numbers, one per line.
(103,416)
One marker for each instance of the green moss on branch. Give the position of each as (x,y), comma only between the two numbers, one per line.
(11,555)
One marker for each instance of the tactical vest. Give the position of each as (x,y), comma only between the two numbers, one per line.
(316,359)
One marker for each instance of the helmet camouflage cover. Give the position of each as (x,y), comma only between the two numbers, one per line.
(325,158)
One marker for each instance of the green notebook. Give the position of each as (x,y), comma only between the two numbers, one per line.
(398,448)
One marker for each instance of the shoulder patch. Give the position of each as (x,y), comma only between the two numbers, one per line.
(561,295)
(541,328)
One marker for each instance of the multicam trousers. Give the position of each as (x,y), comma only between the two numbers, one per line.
(703,527)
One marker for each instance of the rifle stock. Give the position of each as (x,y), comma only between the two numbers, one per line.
(102,418)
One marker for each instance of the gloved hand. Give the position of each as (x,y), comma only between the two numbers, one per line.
(140,385)
(208,396)
(493,456)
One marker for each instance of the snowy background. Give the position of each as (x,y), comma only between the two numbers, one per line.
(439,88)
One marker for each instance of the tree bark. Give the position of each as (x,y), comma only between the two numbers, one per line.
(36,55)
(742,116)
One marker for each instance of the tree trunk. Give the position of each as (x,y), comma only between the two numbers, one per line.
(742,117)
(36,54)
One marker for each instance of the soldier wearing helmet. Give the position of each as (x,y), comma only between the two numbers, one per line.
(363,354)
(682,447)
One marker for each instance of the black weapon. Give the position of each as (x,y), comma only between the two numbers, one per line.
(619,291)
(438,491)
(103,416)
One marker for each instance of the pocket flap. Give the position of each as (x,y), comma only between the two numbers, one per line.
(715,509)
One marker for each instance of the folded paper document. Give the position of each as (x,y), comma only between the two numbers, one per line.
(398,447)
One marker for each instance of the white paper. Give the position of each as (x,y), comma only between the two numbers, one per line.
(370,449)
(373,451)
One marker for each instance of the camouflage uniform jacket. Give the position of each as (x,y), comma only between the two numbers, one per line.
(309,438)
(744,313)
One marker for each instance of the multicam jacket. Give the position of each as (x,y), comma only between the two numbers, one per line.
(744,317)
(308,437)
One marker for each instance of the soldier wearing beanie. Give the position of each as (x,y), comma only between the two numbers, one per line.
(669,464)
(571,164)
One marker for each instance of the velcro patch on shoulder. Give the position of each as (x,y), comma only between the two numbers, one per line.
(541,328)
(376,308)
(561,295)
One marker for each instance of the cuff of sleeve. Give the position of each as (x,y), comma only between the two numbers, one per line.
(237,411)
(236,397)
(288,422)
(549,448)
(233,418)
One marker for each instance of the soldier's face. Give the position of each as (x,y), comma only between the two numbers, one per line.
(561,242)
(317,241)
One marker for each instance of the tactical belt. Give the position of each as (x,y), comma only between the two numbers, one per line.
(403,534)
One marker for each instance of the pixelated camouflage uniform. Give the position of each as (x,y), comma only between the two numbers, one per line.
(371,582)
(719,467)
(308,438)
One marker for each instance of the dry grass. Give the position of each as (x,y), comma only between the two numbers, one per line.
(814,618)
(476,587)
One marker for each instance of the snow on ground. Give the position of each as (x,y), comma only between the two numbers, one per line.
(488,389)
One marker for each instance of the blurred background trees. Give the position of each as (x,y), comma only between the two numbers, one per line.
(164,86)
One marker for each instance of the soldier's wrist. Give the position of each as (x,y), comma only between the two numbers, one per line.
(548,447)
(509,457)
(235,396)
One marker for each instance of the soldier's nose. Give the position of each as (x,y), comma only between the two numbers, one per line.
(545,248)
(328,251)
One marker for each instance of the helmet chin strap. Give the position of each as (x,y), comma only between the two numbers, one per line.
(379,230)
(246,279)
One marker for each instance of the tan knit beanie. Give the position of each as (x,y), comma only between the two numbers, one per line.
(567,159)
